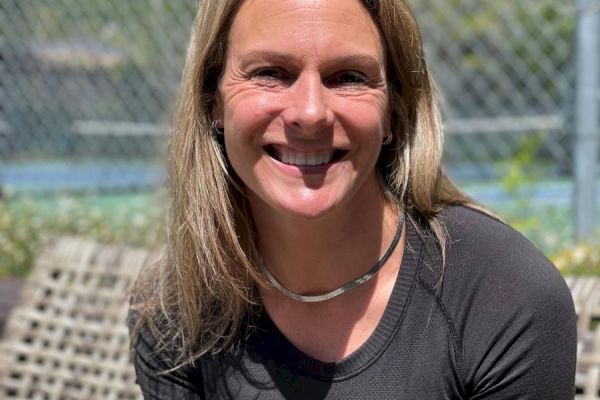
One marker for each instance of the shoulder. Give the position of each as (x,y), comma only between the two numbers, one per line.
(506,304)
(487,259)
(158,373)
(480,248)
(467,226)
(145,344)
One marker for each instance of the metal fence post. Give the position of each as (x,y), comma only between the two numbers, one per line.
(586,117)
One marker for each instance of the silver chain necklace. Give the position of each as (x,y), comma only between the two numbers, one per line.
(348,286)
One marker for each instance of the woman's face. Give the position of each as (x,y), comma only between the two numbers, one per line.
(303,102)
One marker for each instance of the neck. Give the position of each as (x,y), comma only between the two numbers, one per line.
(313,256)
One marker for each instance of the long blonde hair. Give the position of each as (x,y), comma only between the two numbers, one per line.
(198,300)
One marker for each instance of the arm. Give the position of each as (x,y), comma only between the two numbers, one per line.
(530,353)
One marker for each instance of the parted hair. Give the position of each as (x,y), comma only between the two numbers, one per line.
(203,295)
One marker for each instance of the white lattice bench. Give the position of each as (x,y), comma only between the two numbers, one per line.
(586,296)
(67,337)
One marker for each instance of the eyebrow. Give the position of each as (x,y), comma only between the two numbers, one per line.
(361,59)
(266,55)
(280,56)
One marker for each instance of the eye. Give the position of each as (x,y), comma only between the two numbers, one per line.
(348,78)
(270,74)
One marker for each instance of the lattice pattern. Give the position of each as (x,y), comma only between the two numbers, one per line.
(67,339)
(588,366)
(586,296)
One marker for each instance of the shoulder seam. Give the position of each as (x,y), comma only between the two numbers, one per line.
(457,347)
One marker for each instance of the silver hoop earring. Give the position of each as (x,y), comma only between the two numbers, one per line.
(215,129)
(387,139)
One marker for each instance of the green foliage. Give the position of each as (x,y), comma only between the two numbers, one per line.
(19,239)
(520,175)
(26,223)
(524,169)
(582,259)
(547,226)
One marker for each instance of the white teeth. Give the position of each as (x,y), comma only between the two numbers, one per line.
(300,159)
(287,156)
(323,158)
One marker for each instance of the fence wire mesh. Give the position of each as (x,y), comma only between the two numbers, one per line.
(504,70)
(87,90)
(95,80)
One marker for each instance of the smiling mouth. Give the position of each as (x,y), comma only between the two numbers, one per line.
(303,159)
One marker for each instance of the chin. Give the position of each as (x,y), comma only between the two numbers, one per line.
(310,209)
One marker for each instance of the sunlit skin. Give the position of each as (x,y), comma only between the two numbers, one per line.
(303,102)
(304,76)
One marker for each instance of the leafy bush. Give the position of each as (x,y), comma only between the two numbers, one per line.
(138,220)
(581,259)
(26,223)
(549,227)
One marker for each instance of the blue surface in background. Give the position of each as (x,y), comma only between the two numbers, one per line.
(39,178)
(34,178)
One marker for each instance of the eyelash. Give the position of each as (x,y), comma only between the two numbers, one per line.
(357,78)
(273,75)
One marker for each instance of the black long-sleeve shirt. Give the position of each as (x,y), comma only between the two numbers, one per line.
(497,323)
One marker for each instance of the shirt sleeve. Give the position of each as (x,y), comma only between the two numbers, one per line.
(150,366)
(515,317)
(528,353)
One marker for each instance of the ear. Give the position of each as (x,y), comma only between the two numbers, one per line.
(387,123)
(217,113)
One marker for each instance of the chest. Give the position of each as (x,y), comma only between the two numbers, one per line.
(331,336)
(335,329)
(410,365)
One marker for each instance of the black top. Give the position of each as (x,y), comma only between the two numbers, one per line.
(497,323)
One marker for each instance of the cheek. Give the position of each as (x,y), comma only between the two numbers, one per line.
(248,112)
(364,117)
(246,118)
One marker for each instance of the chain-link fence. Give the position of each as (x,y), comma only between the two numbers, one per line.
(86,90)
(504,69)
(87,87)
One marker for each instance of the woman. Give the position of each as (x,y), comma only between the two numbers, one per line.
(316,248)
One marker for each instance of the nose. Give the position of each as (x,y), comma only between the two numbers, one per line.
(309,109)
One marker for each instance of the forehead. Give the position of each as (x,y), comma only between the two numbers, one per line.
(297,23)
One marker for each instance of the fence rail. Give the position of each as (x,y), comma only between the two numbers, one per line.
(118,128)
